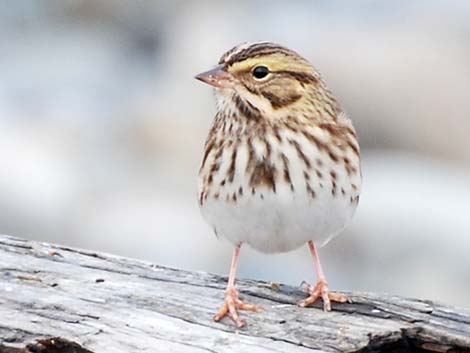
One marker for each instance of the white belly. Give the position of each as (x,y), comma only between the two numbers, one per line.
(279,222)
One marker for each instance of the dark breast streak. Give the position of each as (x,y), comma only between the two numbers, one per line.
(263,175)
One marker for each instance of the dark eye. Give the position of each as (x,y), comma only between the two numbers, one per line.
(260,72)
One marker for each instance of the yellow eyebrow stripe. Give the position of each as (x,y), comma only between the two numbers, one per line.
(274,62)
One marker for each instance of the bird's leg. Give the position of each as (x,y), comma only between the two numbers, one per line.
(232,303)
(321,288)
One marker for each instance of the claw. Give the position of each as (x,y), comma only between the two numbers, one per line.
(321,290)
(232,305)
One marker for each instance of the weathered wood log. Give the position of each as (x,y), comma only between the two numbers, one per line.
(58,299)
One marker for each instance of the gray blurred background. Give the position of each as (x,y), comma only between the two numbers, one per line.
(102,127)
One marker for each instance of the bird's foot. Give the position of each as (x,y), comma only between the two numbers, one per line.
(232,304)
(321,290)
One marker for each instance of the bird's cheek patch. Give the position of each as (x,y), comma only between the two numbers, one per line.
(281,95)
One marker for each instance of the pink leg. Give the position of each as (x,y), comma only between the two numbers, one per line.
(316,261)
(321,288)
(233,266)
(232,303)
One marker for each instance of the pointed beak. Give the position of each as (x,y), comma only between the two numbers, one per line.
(216,77)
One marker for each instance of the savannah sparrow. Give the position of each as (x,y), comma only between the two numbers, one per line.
(281,163)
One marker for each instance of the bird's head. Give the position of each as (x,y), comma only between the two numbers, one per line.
(263,76)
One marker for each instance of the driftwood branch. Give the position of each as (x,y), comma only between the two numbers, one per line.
(59,299)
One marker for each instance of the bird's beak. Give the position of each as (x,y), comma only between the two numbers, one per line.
(216,77)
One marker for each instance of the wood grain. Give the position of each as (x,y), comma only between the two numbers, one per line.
(59,299)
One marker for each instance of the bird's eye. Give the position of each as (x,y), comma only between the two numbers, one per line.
(260,72)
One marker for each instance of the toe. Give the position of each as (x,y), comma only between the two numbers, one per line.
(321,291)
(308,301)
(325,295)
(221,313)
(338,297)
(326,302)
(248,307)
(231,307)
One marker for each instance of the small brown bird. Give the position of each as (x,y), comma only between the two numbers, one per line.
(281,163)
